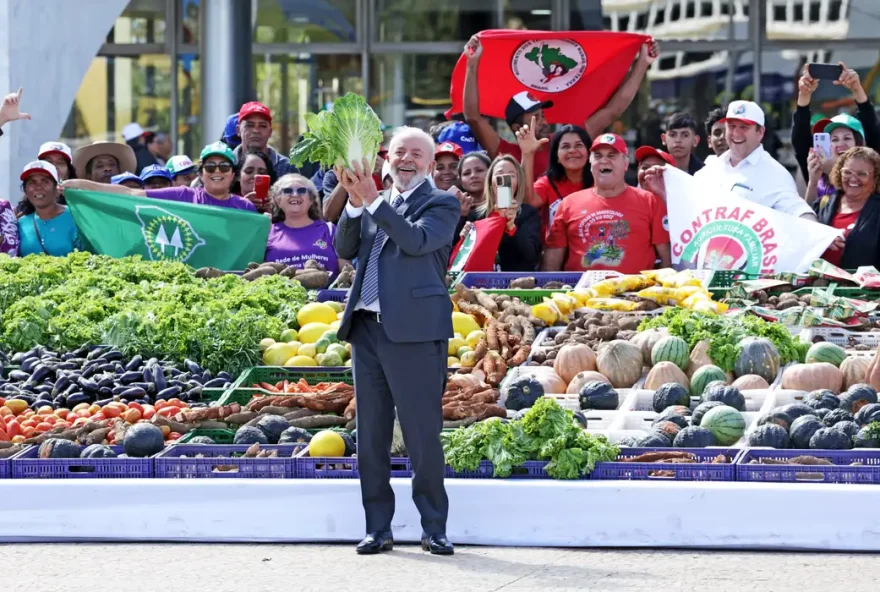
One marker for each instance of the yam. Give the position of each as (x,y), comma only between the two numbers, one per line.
(524,283)
(278,267)
(290,272)
(206,273)
(255,274)
(318,421)
(313,279)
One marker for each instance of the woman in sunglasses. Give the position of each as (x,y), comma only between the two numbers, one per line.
(299,232)
(217,171)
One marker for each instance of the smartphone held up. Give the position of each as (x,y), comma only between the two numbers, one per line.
(503,193)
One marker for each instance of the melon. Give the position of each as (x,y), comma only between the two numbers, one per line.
(703,376)
(671,349)
(824,351)
(726,424)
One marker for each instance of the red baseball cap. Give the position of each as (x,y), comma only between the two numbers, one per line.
(254,108)
(449,148)
(383,150)
(645,151)
(612,140)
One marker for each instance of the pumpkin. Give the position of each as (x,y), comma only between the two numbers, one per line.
(698,358)
(582,378)
(750,382)
(670,394)
(868,414)
(769,435)
(836,416)
(857,396)
(664,373)
(728,395)
(621,362)
(830,439)
(522,393)
(802,429)
(758,356)
(598,395)
(646,340)
(808,377)
(572,359)
(551,382)
(822,400)
(872,376)
(854,370)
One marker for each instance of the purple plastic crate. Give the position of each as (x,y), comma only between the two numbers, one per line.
(171,464)
(332,295)
(317,467)
(26,465)
(867,472)
(532,469)
(704,470)
(501,280)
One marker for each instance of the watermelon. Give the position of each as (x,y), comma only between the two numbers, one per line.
(726,424)
(703,376)
(671,349)
(824,351)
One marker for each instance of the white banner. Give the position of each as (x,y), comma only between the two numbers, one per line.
(712,229)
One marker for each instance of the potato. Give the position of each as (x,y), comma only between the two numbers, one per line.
(209,272)
(278,267)
(258,273)
(525,283)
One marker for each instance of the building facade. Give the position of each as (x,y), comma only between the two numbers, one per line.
(90,67)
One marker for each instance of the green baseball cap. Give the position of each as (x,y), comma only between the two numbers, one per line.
(219,149)
(842,120)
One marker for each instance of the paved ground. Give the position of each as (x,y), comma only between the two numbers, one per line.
(302,568)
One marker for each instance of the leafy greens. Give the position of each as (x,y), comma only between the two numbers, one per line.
(348,133)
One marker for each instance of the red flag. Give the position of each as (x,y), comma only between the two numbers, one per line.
(577,70)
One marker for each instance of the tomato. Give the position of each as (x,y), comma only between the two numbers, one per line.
(174,436)
(93,409)
(51,419)
(160,404)
(149,413)
(175,401)
(29,423)
(18,439)
(132,416)
(62,424)
(28,432)
(2,400)
(44,427)
(6,411)
(45,410)
(83,413)
(80,407)
(98,416)
(111,411)
(4,437)
(80,421)
(136,405)
(13,428)
(62,413)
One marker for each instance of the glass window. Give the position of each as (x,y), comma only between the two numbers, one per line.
(411,89)
(676,19)
(189,14)
(142,21)
(189,122)
(306,21)
(528,14)
(429,20)
(586,15)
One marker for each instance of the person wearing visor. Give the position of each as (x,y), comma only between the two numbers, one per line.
(298,232)
(60,156)
(47,228)
(100,161)
(647,157)
(156,177)
(446,159)
(217,172)
(183,170)
(129,180)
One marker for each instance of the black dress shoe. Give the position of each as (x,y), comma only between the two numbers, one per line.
(437,544)
(376,542)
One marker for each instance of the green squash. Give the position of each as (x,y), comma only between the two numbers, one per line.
(758,356)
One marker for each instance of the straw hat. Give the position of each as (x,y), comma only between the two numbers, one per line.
(121,152)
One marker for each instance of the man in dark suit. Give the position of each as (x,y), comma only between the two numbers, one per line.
(398,320)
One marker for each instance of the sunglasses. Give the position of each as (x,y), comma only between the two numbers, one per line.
(301,191)
(211,167)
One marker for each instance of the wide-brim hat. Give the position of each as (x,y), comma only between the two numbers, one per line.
(121,152)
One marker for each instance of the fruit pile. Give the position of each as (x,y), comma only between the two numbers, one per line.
(315,344)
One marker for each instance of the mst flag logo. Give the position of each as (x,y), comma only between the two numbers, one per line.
(167,237)
(549,66)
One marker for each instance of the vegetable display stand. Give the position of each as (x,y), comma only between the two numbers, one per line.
(849,466)
(497,283)
(635,424)
(308,467)
(243,389)
(842,337)
(531,469)
(206,461)
(27,465)
(702,470)
(220,436)
(643,400)
(598,275)
(332,295)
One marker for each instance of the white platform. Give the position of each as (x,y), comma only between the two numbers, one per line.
(483,512)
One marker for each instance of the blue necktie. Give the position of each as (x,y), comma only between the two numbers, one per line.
(370,287)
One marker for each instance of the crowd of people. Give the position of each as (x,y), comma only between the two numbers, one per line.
(552,200)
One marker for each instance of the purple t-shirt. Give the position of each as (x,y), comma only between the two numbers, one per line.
(198,195)
(295,246)
(9,241)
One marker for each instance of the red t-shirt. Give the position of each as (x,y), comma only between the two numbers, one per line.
(542,156)
(551,200)
(617,233)
(844,222)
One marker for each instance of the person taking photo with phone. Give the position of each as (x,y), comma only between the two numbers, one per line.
(507,233)
(846,131)
(256,177)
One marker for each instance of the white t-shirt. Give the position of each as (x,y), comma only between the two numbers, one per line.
(758,178)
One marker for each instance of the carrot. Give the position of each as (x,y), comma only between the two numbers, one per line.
(269,387)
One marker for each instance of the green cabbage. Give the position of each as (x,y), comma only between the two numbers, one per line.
(348,133)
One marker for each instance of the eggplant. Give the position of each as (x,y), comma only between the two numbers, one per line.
(60,401)
(195,392)
(152,362)
(19,376)
(158,379)
(105,391)
(118,368)
(40,373)
(80,362)
(43,388)
(112,356)
(96,352)
(168,393)
(28,364)
(66,366)
(89,385)
(44,397)
(147,374)
(88,371)
(81,352)
(103,402)
(134,363)
(225,375)
(131,376)
(61,383)
(215,383)
(77,398)
(106,380)
(107,367)
(120,389)
(68,356)
(132,393)
(148,387)
(24,397)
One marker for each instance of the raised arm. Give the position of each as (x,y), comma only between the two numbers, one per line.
(529,145)
(103,187)
(9,109)
(483,130)
(801,130)
(334,201)
(865,112)
(620,100)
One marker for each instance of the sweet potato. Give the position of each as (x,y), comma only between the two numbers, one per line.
(318,421)
(313,279)
(258,273)
(524,283)
(486,301)
(206,273)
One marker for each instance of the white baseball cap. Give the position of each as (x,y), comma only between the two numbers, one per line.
(39,166)
(56,148)
(178,164)
(386,169)
(132,131)
(745,111)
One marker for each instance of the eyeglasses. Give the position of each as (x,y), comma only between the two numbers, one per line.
(211,167)
(863,175)
(301,191)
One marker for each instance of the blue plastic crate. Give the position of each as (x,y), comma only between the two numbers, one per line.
(317,467)
(332,295)
(843,471)
(26,465)
(532,469)
(703,470)
(501,280)
(171,464)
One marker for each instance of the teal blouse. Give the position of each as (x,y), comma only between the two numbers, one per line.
(59,235)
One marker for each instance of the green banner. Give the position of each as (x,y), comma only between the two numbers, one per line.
(160,230)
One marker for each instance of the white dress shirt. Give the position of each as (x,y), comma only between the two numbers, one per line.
(354,212)
(758,178)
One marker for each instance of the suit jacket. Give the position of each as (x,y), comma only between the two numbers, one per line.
(412,267)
